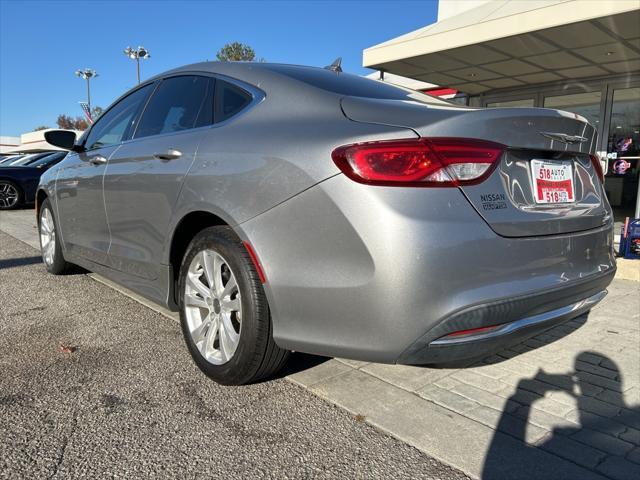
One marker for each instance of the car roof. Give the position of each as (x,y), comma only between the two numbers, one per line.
(301,79)
(255,73)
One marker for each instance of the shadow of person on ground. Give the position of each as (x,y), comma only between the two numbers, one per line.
(605,432)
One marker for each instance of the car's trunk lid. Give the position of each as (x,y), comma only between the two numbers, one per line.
(507,199)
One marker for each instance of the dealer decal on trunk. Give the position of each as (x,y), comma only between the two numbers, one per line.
(493,201)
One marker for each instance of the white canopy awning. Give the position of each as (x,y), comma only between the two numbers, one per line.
(509,43)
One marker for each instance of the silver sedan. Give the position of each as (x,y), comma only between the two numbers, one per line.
(285,208)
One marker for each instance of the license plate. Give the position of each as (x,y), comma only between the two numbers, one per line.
(552,181)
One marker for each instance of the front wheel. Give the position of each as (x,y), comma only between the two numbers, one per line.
(224,313)
(50,247)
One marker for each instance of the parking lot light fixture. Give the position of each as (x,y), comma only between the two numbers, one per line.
(136,54)
(87,74)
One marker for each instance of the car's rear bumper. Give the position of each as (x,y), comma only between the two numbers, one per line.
(514,319)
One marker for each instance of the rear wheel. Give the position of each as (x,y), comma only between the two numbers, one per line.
(224,313)
(10,195)
(50,247)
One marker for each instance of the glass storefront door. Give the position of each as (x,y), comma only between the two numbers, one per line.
(623,153)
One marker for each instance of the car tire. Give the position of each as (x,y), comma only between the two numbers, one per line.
(50,246)
(224,313)
(11,195)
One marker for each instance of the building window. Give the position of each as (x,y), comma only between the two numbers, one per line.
(623,151)
(525,102)
(585,104)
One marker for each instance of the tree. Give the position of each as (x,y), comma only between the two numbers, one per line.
(69,123)
(41,127)
(236,52)
(76,123)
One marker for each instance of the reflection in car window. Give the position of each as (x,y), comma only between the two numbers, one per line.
(174,106)
(113,126)
(230,99)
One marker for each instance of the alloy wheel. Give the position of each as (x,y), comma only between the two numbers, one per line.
(8,195)
(47,236)
(213,307)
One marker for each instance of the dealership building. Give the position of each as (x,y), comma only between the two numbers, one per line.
(582,56)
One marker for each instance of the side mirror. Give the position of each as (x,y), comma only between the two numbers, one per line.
(61,138)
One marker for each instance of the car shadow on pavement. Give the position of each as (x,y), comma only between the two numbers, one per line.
(19,262)
(299,362)
(602,434)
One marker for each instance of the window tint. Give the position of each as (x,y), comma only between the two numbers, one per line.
(114,125)
(352,85)
(174,106)
(229,100)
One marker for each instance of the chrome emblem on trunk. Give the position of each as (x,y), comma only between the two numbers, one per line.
(564,138)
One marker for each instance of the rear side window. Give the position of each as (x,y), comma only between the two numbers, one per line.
(229,100)
(176,105)
(113,126)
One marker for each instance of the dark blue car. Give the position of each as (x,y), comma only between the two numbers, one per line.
(18,183)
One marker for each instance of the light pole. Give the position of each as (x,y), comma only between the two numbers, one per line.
(87,74)
(136,54)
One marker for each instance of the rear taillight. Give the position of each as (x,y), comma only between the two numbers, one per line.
(595,160)
(432,162)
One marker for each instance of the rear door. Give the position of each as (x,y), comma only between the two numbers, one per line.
(144,177)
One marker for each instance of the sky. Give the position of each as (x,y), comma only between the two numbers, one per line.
(42,43)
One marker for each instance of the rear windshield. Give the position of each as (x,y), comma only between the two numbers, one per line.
(352,85)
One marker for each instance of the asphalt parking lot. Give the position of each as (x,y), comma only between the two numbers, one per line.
(95,385)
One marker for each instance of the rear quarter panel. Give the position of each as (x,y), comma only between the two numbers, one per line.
(281,147)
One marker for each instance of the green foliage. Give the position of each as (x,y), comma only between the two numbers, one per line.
(236,52)
(41,127)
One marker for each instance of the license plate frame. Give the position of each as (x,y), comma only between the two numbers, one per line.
(552,181)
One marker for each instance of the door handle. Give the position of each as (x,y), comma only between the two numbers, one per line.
(170,154)
(97,160)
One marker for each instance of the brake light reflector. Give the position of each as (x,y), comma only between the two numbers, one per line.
(597,166)
(256,262)
(422,162)
(472,331)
